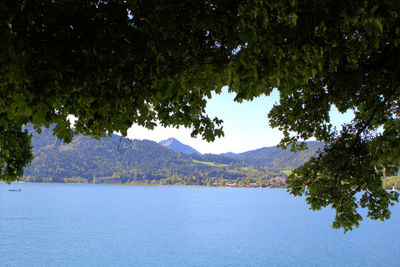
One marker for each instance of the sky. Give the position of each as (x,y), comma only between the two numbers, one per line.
(245,125)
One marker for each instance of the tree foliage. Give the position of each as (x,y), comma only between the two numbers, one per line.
(115,63)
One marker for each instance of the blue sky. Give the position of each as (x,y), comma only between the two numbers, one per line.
(245,125)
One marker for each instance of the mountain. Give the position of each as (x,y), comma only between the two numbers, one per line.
(108,158)
(229,154)
(177,146)
(277,158)
(120,160)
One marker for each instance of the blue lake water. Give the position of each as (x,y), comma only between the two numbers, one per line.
(112,225)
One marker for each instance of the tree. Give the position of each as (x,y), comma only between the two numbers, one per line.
(115,63)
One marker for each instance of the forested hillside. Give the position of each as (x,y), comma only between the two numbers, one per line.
(120,160)
(278,159)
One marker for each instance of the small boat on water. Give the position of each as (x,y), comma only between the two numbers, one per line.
(394,189)
(15,190)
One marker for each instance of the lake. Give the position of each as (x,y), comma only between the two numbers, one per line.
(113,225)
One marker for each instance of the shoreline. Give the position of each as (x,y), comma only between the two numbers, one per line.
(144,184)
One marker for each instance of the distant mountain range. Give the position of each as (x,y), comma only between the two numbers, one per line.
(272,157)
(177,146)
(229,154)
(120,160)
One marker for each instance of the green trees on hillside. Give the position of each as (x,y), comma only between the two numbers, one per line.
(390,182)
(117,63)
(118,160)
